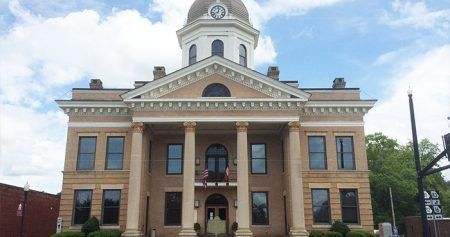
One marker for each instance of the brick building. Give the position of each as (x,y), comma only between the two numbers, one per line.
(42,210)
(296,156)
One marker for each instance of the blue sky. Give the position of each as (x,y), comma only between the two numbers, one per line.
(48,47)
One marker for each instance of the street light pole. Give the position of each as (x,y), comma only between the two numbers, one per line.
(420,177)
(26,188)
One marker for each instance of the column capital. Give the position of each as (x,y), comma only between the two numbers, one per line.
(242,126)
(137,127)
(294,126)
(190,126)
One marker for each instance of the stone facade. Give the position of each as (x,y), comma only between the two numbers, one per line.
(253,110)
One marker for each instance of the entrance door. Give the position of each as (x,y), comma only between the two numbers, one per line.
(216,216)
(216,162)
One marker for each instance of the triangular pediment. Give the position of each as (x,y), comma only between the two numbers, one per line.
(186,83)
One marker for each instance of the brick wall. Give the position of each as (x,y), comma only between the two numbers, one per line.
(414,227)
(41,212)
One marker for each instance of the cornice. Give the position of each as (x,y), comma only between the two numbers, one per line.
(327,108)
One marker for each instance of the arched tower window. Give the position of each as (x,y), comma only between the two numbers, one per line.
(216,90)
(243,55)
(217,48)
(193,54)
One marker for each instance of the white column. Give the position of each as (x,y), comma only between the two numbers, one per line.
(296,182)
(134,186)
(187,219)
(243,210)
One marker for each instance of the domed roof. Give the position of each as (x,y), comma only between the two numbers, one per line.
(235,7)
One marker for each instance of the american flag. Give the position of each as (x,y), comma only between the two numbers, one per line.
(227,175)
(205,175)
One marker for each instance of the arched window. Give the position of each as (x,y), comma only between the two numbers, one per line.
(217,48)
(193,54)
(216,90)
(243,55)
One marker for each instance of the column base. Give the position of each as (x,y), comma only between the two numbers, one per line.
(132,233)
(298,233)
(188,233)
(243,233)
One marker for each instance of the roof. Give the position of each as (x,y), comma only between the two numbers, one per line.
(235,8)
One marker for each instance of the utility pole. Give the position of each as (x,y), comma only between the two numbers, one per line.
(392,208)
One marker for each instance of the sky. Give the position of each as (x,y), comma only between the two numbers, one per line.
(48,47)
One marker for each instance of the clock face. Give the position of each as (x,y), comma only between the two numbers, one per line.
(218,12)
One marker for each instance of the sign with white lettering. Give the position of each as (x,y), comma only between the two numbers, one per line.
(433,205)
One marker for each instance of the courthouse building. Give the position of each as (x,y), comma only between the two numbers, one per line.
(282,160)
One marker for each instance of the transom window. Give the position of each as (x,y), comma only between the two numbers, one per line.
(193,54)
(243,55)
(216,90)
(217,48)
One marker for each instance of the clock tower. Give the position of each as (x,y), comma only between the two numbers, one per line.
(218,27)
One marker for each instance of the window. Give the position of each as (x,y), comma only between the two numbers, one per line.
(149,157)
(216,90)
(217,48)
(317,153)
(321,206)
(86,153)
(114,154)
(173,209)
(345,155)
(216,162)
(259,162)
(243,55)
(260,208)
(111,207)
(349,206)
(81,206)
(175,159)
(193,54)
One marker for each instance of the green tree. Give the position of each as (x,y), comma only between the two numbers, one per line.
(392,165)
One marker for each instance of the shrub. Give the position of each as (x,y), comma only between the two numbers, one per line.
(197,227)
(90,226)
(234,227)
(316,233)
(340,227)
(105,233)
(334,234)
(355,234)
(69,234)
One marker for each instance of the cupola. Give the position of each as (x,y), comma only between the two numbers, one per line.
(218,28)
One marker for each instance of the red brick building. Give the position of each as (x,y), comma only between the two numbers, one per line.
(41,212)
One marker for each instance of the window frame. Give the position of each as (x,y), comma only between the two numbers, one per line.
(268,210)
(338,156)
(313,206)
(107,152)
(165,208)
(168,158)
(219,53)
(325,159)
(118,207)
(192,59)
(252,158)
(74,207)
(358,214)
(243,57)
(79,153)
(211,86)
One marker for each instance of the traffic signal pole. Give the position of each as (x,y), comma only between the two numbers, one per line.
(423,215)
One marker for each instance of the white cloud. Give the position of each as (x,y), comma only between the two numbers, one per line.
(428,75)
(41,58)
(418,15)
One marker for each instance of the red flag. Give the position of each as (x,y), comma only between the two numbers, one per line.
(205,176)
(227,175)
